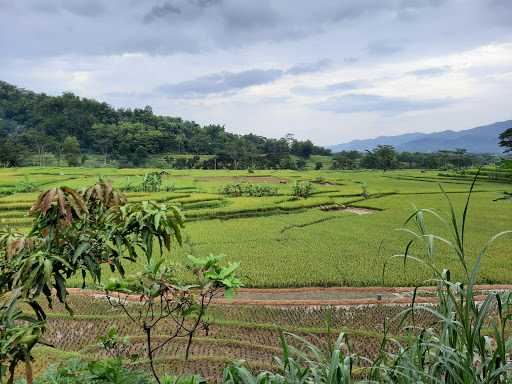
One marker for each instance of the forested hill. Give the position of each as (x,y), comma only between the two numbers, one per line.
(36,123)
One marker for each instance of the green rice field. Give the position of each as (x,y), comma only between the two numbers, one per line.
(285,242)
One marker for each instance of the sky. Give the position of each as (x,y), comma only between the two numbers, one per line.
(327,70)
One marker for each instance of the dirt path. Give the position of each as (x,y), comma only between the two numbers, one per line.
(317,296)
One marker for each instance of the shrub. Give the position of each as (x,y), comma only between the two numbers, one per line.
(26,186)
(248,189)
(151,182)
(302,189)
(364,190)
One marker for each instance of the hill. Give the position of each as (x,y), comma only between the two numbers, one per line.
(39,124)
(483,139)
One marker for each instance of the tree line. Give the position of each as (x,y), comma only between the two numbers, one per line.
(386,157)
(32,125)
(69,126)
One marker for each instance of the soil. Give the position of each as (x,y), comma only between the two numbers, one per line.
(360,211)
(326,183)
(318,296)
(355,210)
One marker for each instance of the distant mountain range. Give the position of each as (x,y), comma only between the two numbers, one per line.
(482,139)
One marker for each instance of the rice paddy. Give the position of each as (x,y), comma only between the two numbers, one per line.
(336,237)
(281,241)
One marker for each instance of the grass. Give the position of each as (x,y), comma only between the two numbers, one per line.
(282,242)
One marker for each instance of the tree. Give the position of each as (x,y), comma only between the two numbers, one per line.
(506,140)
(347,160)
(385,156)
(165,296)
(11,153)
(38,141)
(180,141)
(41,123)
(104,137)
(71,151)
(301,164)
(303,149)
(460,153)
(75,233)
(319,165)
(140,156)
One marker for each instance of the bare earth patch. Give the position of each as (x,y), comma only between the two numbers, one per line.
(360,211)
(356,210)
(317,296)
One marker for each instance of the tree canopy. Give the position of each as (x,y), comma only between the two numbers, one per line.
(41,123)
(506,140)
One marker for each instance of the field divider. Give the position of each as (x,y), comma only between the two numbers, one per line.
(376,292)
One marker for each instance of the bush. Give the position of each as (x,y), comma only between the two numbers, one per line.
(26,186)
(248,189)
(302,189)
(151,182)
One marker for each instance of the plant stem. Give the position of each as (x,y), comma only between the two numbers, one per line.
(28,372)
(150,353)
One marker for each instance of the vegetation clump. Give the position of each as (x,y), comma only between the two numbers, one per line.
(302,189)
(75,233)
(248,189)
(151,182)
(26,186)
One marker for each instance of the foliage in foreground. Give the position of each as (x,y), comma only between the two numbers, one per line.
(75,232)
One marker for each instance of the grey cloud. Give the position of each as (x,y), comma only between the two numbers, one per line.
(354,103)
(303,68)
(498,11)
(187,9)
(346,85)
(304,90)
(161,11)
(430,72)
(345,10)
(82,8)
(205,24)
(86,8)
(206,3)
(383,48)
(224,82)
(220,83)
(350,60)
(334,87)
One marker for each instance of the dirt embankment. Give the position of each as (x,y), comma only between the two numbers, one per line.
(317,296)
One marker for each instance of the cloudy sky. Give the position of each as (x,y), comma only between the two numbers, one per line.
(329,70)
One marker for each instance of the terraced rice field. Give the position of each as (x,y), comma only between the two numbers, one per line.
(336,237)
(234,332)
(285,242)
